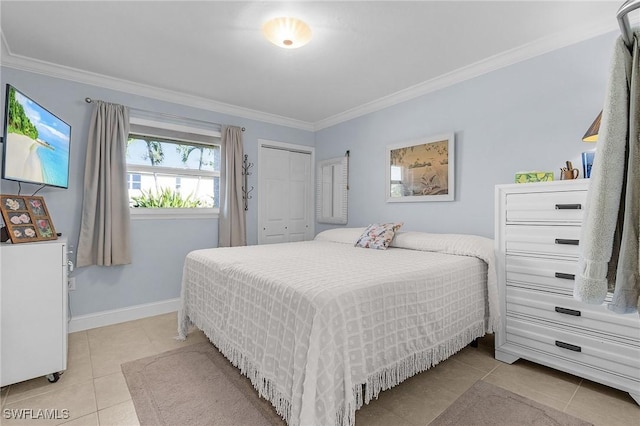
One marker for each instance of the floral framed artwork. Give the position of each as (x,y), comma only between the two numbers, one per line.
(421,170)
(26,218)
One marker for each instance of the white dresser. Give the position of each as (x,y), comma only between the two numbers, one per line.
(33,330)
(537,234)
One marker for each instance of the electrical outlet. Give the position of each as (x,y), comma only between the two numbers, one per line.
(72,283)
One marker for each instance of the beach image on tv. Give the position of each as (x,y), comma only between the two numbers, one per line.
(36,144)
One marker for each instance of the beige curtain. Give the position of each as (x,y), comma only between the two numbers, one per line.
(104,232)
(232,221)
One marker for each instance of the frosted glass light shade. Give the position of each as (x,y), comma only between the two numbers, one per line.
(288,33)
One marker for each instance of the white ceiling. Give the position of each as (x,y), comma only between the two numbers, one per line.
(363,55)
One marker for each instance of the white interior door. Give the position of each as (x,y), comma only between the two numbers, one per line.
(299,195)
(285,194)
(274,182)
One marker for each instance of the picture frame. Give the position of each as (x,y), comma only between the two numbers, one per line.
(421,170)
(26,218)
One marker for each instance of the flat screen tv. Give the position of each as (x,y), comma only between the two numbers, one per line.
(36,143)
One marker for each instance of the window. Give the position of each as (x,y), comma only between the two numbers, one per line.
(133,181)
(172,172)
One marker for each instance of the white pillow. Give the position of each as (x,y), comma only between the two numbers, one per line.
(446,243)
(340,235)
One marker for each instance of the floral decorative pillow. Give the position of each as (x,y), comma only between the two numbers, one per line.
(378,235)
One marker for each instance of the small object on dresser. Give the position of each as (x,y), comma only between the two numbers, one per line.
(535,176)
(587,163)
(569,172)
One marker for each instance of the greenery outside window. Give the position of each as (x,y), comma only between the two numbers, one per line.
(173,173)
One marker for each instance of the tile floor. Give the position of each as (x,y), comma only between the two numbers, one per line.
(94,392)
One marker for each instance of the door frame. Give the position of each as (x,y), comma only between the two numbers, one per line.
(265,143)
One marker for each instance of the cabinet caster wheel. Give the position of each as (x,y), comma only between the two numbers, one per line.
(53,377)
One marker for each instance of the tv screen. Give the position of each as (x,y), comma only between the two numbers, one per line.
(36,143)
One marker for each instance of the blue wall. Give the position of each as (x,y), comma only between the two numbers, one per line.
(527,116)
(158,246)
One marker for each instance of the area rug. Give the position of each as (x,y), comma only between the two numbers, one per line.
(195,385)
(486,404)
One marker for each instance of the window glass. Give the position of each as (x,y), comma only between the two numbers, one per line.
(165,173)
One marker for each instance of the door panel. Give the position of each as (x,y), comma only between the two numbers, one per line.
(285,181)
(275,181)
(299,193)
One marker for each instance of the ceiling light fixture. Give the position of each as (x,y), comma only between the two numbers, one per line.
(286,32)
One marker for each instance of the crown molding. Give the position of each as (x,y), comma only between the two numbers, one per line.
(502,60)
(492,63)
(22,63)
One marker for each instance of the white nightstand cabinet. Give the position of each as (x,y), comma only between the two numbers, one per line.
(33,298)
(537,234)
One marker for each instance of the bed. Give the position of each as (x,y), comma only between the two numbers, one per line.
(322,327)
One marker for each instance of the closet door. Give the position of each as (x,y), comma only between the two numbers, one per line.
(285,196)
(274,196)
(299,195)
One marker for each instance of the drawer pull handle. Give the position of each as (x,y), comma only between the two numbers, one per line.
(565,276)
(568,311)
(567,242)
(568,206)
(569,346)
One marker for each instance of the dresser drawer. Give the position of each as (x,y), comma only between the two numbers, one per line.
(616,358)
(555,275)
(543,240)
(560,206)
(594,320)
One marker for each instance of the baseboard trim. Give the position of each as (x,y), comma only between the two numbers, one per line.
(116,316)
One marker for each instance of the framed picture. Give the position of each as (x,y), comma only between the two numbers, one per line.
(421,170)
(26,218)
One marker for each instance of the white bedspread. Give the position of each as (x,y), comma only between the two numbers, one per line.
(320,327)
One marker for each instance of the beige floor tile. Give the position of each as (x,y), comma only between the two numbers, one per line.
(78,345)
(162,330)
(111,390)
(111,331)
(88,420)
(163,327)
(31,388)
(602,405)
(79,360)
(542,384)
(117,337)
(123,414)
(453,376)
(168,322)
(481,358)
(107,359)
(78,399)
(422,386)
(77,371)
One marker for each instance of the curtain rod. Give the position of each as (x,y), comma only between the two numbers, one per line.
(623,20)
(162,114)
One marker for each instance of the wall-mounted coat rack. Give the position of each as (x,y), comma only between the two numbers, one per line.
(246,165)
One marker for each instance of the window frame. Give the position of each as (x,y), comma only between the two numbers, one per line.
(144,213)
